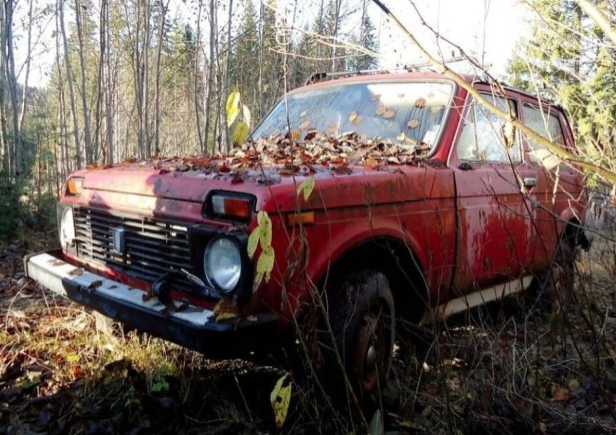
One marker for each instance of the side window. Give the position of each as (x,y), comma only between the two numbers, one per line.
(487,138)
(547,124)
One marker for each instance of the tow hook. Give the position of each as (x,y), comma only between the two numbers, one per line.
(160,289)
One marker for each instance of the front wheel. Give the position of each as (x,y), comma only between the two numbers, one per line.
(362,320)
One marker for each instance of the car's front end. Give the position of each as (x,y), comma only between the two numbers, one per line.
(155,250)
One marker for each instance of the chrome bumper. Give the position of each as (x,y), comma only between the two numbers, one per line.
(190,326)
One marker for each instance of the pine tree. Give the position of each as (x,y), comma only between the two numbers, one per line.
(368,40)
(569,57)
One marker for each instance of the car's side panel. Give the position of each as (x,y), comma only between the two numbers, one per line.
(425,222)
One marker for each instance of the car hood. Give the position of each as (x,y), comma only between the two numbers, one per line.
(274,186)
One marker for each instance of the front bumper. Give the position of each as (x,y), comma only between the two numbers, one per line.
(192,327)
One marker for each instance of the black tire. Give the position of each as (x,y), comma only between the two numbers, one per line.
(361,315)
(553,289)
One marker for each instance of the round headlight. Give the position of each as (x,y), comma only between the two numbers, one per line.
(223,263)
(67,228)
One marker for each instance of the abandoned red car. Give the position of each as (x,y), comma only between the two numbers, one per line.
(379,197)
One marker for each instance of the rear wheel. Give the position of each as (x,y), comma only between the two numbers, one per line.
(362,320)
(554,288)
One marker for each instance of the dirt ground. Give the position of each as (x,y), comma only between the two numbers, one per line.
(508,368)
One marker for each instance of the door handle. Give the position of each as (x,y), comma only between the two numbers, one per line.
(530,181)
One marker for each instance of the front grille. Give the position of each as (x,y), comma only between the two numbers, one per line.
(151,248)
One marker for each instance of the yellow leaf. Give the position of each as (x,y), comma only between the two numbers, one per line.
(233,107)
(265,263)
(253,240)
(225,309)
(72,358)
(280,399)
(226,316)
(410,424)
(265,230)
(240,133)
(306,187)
(247,115)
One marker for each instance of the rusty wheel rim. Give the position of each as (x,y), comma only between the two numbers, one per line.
(372,351)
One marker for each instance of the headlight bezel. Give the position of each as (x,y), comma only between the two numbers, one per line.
(210,274)
(242,206)
(200,238)
(68,224)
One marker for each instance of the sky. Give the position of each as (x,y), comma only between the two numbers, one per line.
(488,27)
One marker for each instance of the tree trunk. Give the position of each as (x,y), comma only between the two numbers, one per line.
(84,100)
(146,78)
(12,84)
(196,76)
(4,139)
(211,72)
(161,35)
(70,81)
(24,94)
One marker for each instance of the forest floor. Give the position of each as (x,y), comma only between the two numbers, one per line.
(502,369)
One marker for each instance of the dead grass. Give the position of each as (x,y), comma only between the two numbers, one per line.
(498,369)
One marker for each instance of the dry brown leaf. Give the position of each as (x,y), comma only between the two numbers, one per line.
(420,103)
(389,114)
(413,123)
(354,118)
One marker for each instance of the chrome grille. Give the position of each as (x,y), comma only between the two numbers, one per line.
(151,248)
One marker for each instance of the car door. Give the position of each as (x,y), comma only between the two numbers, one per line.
(495,222)
(559,185)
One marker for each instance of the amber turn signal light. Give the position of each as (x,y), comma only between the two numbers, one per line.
(74,186)
(305,218)
(233,207)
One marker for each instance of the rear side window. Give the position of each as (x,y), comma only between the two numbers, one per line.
(547,124)
(487,138)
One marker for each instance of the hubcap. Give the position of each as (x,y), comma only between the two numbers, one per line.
(371,358)
(372,351)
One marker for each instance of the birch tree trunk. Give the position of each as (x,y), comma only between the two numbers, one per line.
(70,80)
(84,99)
(161,35)
(15,149)
(5,150)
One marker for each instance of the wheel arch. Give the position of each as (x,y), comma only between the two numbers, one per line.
(397,260)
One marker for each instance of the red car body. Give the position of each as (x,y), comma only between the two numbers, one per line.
(441,229)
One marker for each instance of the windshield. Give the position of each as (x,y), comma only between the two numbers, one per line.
(409,113)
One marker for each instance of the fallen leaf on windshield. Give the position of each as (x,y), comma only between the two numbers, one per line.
(389,114)
(380,110)
(420,103)
(375,97)
(311,134)
(354,117)
(413,123)
(371,163)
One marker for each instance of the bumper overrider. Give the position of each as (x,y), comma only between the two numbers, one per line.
(191,326)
